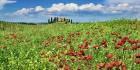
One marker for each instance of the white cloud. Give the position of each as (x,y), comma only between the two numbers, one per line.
(4,2)
(23,11)
(91,7)
(26,11)
(70,7)
(74,7)
(123,1)
(63,7)
(56,8)
(39,8)
(118,8)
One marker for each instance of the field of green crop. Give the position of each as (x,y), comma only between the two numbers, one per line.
(110,45)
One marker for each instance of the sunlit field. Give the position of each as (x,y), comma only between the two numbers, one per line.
(110,45)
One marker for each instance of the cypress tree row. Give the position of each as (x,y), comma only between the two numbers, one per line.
(57,19)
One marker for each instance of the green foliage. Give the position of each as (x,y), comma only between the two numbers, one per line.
(26,51)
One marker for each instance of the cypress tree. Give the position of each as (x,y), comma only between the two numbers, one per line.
(51,20)
(71,21)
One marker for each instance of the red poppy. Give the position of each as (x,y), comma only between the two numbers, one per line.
(126,38)
(66,67)
(137,61)
(96,46)
(103,42)
(109,55)
(101,65)
(131,42)
(120,43)
(113,63)
(123,67)
(134,47)
(81,46)
(88,57)
(80,53)
(108,66)
(137,55)
(117,47)
(138,41)
(70,53)
(123,40)
(117,63)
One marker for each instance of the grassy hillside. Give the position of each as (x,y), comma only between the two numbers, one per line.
(82,46)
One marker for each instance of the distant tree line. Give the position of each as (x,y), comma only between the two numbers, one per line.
(58,19)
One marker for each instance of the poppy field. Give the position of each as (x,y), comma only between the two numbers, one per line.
(109,45)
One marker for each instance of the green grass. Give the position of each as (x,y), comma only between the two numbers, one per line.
(27,50)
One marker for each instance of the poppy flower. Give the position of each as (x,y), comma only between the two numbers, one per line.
(120,43)
(117,63)
(100,66)
(88,57)
(103,42)
(108,66)
(137,61)
(126,38)
(131,41)
(81,46)
(123,67)
(137,55)
(70,53)
(109,55)
(117,47)
(66,67)
(113,63)
(138,41)
(96,46)
(134,47)
(80,53)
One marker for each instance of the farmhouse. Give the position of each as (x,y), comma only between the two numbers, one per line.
(60,20)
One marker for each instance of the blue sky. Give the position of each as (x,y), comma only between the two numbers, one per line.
(78,10)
